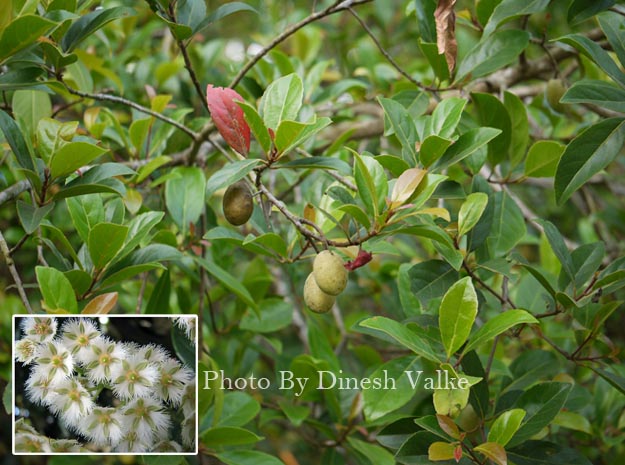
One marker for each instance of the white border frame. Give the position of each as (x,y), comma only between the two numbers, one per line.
(139,315)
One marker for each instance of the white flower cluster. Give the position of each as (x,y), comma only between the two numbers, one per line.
(73,364)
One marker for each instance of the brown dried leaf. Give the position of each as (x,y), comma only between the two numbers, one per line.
(446,32)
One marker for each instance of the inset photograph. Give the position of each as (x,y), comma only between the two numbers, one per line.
(106,384)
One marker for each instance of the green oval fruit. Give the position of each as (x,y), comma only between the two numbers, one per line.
(315,299)
(329,272)
(555,91)
(237,204)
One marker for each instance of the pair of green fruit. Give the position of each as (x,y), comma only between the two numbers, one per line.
(327,280)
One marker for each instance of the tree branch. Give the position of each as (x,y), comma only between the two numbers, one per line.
(131,104)
(387,55)
(4,247)
(289,31)
(13,191)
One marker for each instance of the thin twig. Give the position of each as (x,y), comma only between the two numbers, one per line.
(289,31)
(475,277)
(131,104)
(387,55)
(4,247)
(301,223)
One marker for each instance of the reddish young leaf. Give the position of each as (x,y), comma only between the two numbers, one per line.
(362,259)
(228,117)
(458,453)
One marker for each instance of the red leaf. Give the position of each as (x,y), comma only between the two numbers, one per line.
(458,453)
(362,259)
(228,117)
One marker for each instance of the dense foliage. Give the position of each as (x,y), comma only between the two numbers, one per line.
(462,158)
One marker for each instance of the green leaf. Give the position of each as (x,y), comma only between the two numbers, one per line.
(505,426)
(23,78)
(457,314)
(221,436)
(138,132)
(14,137)
(379,402)
(450,402)
(497,325)
(492,53)
(273,315)
(31,216)
(559,248)
(403,126)
(52,135)
(542,159)
(597,54)
(372,183)
(30,106)
(185,349)
(159,299)
(228,281)
(150,255)
(290,134)
(403,335)
(432,148)
(510,9)
(581,10)
(573,421)
(446,117)
(221,12)
(125,273)
(184,196)
(248,457)
(376,455)
(270,241)
(545,453)
(100,173)
(89,23)
(508,225)
(587,259)
(612,26)
(22,32)
(229,174)
(431,279)
(437,62)
(72,156)
(282,100)
(57,291)
(520,127)
(86,211)
(471,212)
(424,11)
(105,240)
(587,154)
(493,113)
(439,451)
(257,125)
(601,93)
(542,403)
(138,229)
(493,451)
(324,163)
(467,144)
(618,382)
(239,409)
